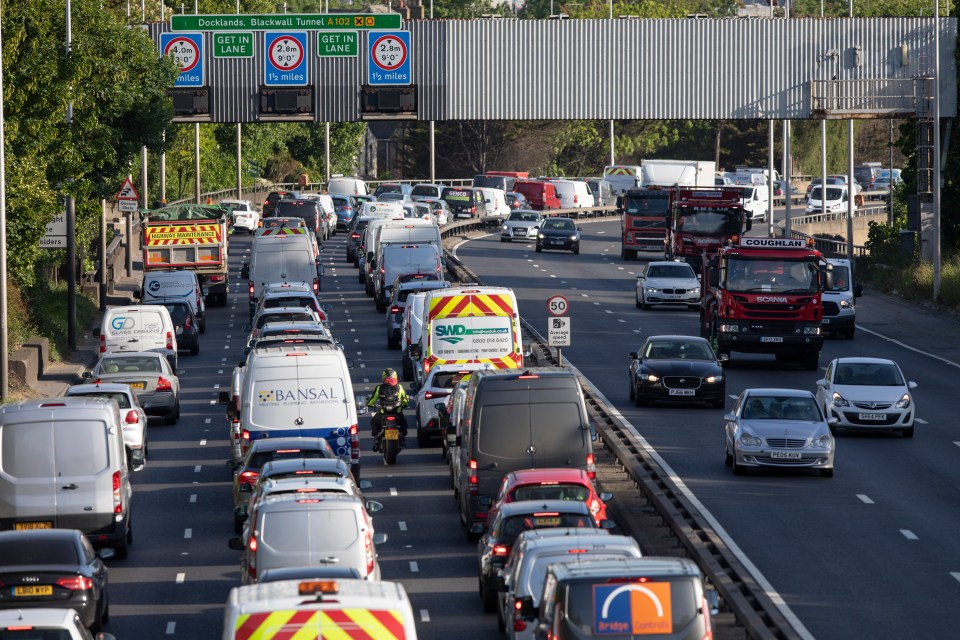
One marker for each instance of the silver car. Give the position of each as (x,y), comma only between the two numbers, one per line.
(867,393)
(668,282)
(778,428)
(521,224)
(133,416)
(149,375)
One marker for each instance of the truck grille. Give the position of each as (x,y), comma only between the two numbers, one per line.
(831,309)
(772,328)
(681,382)
(771,311)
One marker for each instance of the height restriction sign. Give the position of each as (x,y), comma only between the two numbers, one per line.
(388,57)
(186,49)
(285,59)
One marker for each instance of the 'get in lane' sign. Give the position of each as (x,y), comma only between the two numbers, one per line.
(233,45)
(338,44)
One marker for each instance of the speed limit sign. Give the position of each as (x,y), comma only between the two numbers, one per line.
(557,305)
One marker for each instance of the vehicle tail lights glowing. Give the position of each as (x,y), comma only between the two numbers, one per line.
(169,340)
(248,477)
(132,417)
(707,624)
(250,288)
(316,285)
(163,384)
(187,324)
(75,583)
(591,466)
(368,548)
(472,477)
(501,550)
(117,496)
(354,443)
(395,309)
(519,624)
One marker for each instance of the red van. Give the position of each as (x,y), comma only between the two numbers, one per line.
(542,195)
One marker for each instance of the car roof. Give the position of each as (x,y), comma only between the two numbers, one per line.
(293,325)
(132,354)
(560,474)
(296,464)
(662,263)
(535,506)
(285,595)
(791,393)
(561,537)
(280,501)
(620,567)
(40,617)
(678,338)
(308,573)
(40,534)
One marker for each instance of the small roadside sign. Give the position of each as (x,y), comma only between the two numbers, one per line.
(388,58)
(127,206)
(233,45)
(558,332)
(338,44)
(186,49)
(285,59)
(557,305)
(128,191)
(56,233)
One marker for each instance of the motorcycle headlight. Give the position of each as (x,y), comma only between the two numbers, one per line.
(713,379)
(839,400)
(823,442)
(904,401)
(811,331)
(750,440)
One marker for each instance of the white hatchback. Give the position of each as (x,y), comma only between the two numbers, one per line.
(133,415)
(867,393)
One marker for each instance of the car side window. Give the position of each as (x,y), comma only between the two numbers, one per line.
(828,375)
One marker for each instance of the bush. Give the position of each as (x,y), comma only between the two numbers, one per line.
(48,307)
(19,325)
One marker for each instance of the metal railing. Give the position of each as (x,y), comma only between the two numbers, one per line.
(872,97)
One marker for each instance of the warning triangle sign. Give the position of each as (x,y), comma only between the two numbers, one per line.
(127,192)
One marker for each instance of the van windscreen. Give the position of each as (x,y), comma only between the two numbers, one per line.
(586,602)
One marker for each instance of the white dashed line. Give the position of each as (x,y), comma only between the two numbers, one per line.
(605,310)
(171,627)
(193,497)
(583,295)
(733,397)
(909,535)
(596,304)
(213,402)
(413,567)
(393,491)
(197,468)
(207,421)
(620,320)
(203,442)
(216,386)
(425,615)
(864,499)
(226,346)
(917,420)
(402,525)
(187,534)
(181,577)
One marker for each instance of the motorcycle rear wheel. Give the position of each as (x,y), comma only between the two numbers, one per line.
(391,448)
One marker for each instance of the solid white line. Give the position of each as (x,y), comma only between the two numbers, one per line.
(425,615)
(463,242)
(187,534)
(193,497)
(908,347)
(732,396)
(864,499)
(909,535)
(203,442)
(920,421)
(414,568)
(403,525)
(171,627)
(181,577)
(393,491)
(197,468)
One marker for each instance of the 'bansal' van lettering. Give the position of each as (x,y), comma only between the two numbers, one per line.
(771,299)
(310,394)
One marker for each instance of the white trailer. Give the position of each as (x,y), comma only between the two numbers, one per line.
(684,173)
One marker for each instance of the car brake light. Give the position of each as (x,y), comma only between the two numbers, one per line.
(117,498)
(708,629)
(472,476)
(248,477)
(394,309)
(216,278)
(250,289)
(169,340)
(500,550)
(576,551)
(594,507)
(427,395)
(519,624)
(163,384)
(354,443)
(75,583)
(103,343)
(368,548)
(187,324)
(316,285)
(591,467)
(133,417)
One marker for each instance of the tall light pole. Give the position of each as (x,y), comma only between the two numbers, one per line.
(4,347)
(936,153)
(851,184)
(770,131)
(612,153)
(71,220)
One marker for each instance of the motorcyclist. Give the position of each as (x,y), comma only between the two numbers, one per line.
(389,392)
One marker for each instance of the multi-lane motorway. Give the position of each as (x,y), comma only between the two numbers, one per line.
(867,554)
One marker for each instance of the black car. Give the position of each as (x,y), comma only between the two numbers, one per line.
(308,211)
(270,204)
(185,322)
(676,369)
(517,200)
(356,228)
(559,233)
(54,568)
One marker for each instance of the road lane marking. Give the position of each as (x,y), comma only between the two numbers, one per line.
(956,575)
(171,627)
(583,295)
(197,468)
(908,347)
(957,442)
(732,396)
(187,534)
(864,499)
(181,577)
(620,320)
(207,421)
(216,386)
(193,497)
(213,402)
(393,491)
(605,310)
(403,525)
(917,420)
(425,615)
(909,535)
(414,568)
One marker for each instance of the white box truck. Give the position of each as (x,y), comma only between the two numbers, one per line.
(684,173)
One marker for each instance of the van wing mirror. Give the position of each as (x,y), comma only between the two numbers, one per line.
(96,332)
(86,375)
(372,506)
(235,543)
(857,290)
(379,538)
(414,351)
(137,294)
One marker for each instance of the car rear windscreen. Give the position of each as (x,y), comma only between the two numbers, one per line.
(39,552)
(515,525)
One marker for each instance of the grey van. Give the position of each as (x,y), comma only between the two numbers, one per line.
(518,419)
(596,599)
(63,466)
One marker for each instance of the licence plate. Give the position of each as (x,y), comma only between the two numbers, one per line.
(825,321)
(546,521)
(682,392)
(879,417)
(771,339)
(137,385)
(33,590)
(391,434)
(785,455)
(26,526)
(672,296)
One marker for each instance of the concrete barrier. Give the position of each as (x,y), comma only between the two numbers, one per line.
(24,367)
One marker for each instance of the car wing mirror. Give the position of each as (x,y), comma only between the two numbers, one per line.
(478,528)
(137,294)
(723,358)
(911,385)
(379,538)
(361,405)
(86,375)
(373,506)
(106,553)
(608,524)
(730,417)
(633,355)
(606,496)
(822,382)
(857,290)
(96,333)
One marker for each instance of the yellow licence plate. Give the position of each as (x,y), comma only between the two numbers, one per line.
(547,522)
(391,434)
(33,590)
(137,385)
(25,526)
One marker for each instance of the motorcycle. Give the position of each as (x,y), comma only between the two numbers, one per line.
(391,440)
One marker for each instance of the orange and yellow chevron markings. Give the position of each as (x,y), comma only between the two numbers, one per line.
(327,624)
(478,305)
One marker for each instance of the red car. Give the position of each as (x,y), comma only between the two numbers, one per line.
(551,484)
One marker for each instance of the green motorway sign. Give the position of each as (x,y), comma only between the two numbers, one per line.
(233,45)
(284,21)
(338,44)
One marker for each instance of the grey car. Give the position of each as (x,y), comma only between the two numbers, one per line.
(521,224)
(149,375)
(668,282)
(780,429)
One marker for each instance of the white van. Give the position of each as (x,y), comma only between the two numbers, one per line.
(840,299)
(755,199)
(293,390)
(396,259)
(573,194)
(144,327)
(836,201)
(382,210)
(279,258)
(54,444)
(166,286)
(496,202)
(372,239)
(358,608)
(347,186)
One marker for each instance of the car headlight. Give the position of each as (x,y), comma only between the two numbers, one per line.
(695,291)
(652,290)
(811,331)
(713,379)
(749,440)
(729,328)
(504,227)
(839,400)
(845,304)
(573,237)
(904,401)
(540,236)
(823,442)
(649,377)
